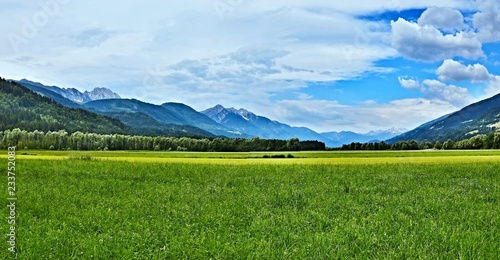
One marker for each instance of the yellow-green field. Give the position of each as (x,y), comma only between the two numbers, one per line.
(316,205)
(368,157)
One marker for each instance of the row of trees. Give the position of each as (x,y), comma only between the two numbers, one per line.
(490,141)
(61,140)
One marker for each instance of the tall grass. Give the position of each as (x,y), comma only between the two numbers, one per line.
(118,210)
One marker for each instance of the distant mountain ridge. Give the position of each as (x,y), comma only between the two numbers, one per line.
(247,122)
(347,137)
(46,92)
(167,113)
(482,117)
(255,125)
(71,93)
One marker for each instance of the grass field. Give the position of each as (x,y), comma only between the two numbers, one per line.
(350,157)
(144,205)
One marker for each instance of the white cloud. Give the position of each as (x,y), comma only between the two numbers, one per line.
(493,86)
(325,115)
(359,6)
(323,41)
(428,44)
(437,90)
(452,70)
(447,19)
(409,83)
(247,76)
(259,72)
(487,21)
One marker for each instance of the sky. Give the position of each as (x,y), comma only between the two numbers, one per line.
(327,65)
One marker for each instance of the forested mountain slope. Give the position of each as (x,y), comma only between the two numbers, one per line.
(22,108)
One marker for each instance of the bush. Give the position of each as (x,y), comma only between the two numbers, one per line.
(278,156)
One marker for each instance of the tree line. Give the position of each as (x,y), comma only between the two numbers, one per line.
(490,141)
(61,140)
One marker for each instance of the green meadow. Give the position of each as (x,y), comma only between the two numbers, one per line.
(321,205)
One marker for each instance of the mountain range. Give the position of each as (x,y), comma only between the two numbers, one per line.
(138,122)
(247,122)
(346,137)
(180,119)
(71,93)
(167,113)
(146,118)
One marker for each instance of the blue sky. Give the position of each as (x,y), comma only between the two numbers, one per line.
(330,66)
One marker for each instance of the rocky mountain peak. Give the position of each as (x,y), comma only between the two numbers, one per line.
(74,94)
(101,93)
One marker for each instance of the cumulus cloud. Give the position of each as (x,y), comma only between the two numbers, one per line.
(487,21)
(409,83)
(452,70)
(437,90)
(427,43)
(447,19)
